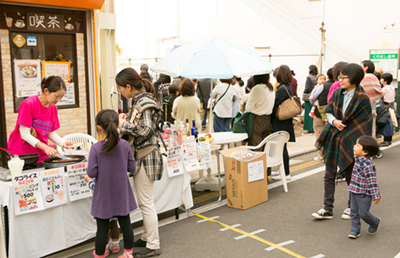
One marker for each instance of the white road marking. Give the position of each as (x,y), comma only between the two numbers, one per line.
(252,233)
(280,244)
(318,256)
(204,220)
(297,177)
(234,226)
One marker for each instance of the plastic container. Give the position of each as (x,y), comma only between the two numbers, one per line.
(15,164)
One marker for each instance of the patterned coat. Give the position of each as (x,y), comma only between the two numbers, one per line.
(338,145)
(142,130)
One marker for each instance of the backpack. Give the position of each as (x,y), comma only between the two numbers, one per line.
(167,104)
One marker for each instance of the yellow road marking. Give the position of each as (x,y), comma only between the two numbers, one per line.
(292,169)
(252,236)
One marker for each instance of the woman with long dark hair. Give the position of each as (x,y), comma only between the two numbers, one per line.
(284,78)
(141,127)
(260,103)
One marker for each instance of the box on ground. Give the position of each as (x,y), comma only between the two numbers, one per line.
(246,180)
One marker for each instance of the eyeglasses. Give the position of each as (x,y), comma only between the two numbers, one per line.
(341,78)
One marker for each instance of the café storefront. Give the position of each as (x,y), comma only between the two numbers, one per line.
(38,41)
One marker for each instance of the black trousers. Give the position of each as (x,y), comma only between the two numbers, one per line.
(329,185)
(103,225)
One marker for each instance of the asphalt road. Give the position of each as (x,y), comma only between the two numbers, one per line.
(286,219)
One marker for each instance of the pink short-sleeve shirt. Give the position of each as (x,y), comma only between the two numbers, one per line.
(32,113)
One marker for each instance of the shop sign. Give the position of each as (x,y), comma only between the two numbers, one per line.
(385,59)
(31,41)
(45,21)
(19,40)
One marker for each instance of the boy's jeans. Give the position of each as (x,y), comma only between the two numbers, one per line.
(359,208)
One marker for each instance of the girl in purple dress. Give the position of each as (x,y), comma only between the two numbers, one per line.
(109,162)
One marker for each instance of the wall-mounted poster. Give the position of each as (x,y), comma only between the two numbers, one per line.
(69,97)
(53,187)
(27,193)
(56,68)
(27,77)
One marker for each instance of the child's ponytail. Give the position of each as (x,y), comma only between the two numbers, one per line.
(108,120)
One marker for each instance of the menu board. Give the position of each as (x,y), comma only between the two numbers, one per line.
(26,193)
(77,186)
(175,167)
(204,154)
(69,97)
(27,77)
(53,187)
(190,156)
(55,68)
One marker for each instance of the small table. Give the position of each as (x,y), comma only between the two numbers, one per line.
(213,183)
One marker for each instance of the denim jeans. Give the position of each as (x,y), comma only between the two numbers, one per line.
(359,208)
(221,124)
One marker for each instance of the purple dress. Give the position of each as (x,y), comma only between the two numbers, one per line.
(113,194)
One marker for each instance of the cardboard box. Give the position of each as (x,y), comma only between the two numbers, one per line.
(246,180)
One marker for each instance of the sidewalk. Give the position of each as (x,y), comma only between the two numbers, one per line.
(304,144)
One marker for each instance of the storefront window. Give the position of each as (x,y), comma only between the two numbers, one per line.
(37,55)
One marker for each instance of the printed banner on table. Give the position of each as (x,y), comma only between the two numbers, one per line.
(204,154)
(77,186)
(55,68)
(175,167)
(53,187)
(26,193)
(69,97)
(190,156)
(27,77)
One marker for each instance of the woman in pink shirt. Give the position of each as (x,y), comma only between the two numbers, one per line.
(38,120)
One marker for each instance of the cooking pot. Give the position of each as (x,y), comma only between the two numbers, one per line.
(28,158)
(56,162)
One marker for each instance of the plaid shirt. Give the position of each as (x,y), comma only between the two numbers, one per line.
(140,130)
(363,178)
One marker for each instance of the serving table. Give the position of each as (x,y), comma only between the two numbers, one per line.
(44,232)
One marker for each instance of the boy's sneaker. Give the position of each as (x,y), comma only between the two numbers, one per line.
(373,230)
(346,214)
(323,214)
(354,234)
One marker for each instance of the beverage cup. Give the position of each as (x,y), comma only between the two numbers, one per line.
(9,21)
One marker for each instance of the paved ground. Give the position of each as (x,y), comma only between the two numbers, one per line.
(285,219)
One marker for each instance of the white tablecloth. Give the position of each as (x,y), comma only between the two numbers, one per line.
(45,232)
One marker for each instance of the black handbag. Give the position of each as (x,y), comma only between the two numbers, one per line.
(382,115)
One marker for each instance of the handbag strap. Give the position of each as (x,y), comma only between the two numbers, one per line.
(227,88)
(287,91)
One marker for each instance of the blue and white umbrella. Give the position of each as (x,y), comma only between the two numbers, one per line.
(212,60)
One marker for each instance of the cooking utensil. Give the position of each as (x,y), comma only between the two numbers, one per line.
(28,158)
(56,162)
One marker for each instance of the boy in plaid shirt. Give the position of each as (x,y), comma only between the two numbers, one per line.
(363,187)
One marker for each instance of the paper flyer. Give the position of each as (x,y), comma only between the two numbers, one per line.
(27,193)
(204,154)
(190,156)
(27,77)
(77,186)
(174,161)
(256,171)
(53,187)
(57,68)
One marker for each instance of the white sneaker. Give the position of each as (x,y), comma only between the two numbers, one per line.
(346,214)
(275,173)
(317,159)
(277,178)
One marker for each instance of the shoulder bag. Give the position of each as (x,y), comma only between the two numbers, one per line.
(382,115)
(216,102)
(289,108)
(243,123)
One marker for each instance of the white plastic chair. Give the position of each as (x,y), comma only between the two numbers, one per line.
(85,139)
(273,149)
